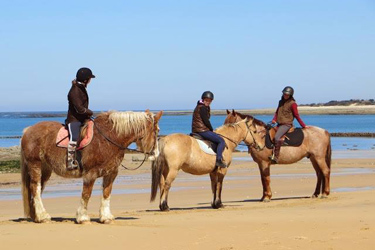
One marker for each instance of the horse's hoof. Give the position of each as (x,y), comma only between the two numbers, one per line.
(43,219)
(324,196)
(314,196)
(217,205)
(265,200)
(46,220)
(85,222)
(108,222)
(164,207)
(214,206)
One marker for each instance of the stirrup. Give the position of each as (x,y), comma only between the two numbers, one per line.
(72,164)
(273,159)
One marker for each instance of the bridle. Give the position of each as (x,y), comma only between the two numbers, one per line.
(248,130)
(255,144)
(131,150)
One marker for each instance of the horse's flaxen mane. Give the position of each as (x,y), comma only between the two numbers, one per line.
(129,122)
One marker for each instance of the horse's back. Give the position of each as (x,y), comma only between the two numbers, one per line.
(177,141)
(43,127)
(316,133)
(36,135)
(317,139)
(183,152)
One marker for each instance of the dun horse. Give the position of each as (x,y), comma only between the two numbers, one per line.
(113,133)
(316,146)
(180,151)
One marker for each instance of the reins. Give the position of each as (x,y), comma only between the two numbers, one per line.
(247,132)
(124,148)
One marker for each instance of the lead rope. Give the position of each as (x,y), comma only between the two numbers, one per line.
(123,148)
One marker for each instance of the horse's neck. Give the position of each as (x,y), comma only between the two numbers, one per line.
(108,133)
(233,133)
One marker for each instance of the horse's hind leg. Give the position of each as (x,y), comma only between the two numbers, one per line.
(323,175)
(168,178)
(105,214)
(82,216)
(38,212)
(319,178)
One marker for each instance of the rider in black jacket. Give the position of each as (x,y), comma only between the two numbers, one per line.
(78,111)
(201,125)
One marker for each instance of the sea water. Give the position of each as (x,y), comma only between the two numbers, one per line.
(12,125)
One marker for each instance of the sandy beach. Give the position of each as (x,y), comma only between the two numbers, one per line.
(292,220)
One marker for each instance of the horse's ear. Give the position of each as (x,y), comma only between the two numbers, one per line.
(147,111)
(228,112)
(158,115)
(234,112)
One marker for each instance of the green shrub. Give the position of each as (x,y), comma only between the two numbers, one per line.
(13,166)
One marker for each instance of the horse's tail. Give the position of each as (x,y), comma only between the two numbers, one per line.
(157,169)
(329,152)
(26,192)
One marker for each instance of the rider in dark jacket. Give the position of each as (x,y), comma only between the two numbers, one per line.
(201,125)
(78,111)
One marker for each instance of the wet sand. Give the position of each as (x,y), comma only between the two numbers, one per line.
(292,220)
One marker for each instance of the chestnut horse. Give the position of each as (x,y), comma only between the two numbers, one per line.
(113,133)
(180,151)
(316,146)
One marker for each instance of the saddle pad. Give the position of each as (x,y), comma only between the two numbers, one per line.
(205,148)
(295,139)
(62,138)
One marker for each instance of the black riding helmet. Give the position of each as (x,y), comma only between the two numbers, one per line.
(84,74)
(208,94)
(288,90)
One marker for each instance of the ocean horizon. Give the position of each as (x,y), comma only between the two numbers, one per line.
(13,123)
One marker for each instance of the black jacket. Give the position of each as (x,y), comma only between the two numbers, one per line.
(201,118)
(78,104)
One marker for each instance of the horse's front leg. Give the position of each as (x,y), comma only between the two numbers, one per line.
(213,177)
(217,178)
(82,216)
(105,214)
(264,169)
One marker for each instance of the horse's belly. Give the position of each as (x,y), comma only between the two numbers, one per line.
(200,166)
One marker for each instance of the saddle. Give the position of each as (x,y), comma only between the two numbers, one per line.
(87,133)
(294,137)
(205,145)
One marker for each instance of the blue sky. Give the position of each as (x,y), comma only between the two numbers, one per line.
(164,54)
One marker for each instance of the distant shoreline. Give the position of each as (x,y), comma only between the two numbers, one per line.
(304,110)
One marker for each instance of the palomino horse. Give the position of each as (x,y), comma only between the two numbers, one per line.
(113,133)
(180,151)
(316,146)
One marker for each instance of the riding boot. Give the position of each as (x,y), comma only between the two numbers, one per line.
(221,164)
(276,152)
(72,162)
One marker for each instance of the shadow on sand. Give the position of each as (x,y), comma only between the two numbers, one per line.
(73,220)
